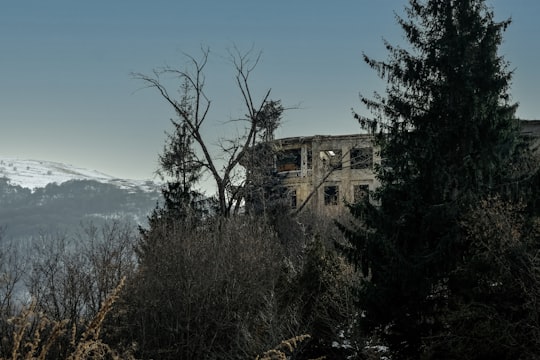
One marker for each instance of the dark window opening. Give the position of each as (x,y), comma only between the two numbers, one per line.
(360,192)
(289,160)
(331,195)
(362,158)
(292,198)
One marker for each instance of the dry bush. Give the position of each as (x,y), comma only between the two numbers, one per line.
(69,280)
(37,336)
(284,350)
(204,291)
(71,277)
(232,288)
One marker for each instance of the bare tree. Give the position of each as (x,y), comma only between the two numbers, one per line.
(207,292)
(12,270)
(70,278)
(193,108)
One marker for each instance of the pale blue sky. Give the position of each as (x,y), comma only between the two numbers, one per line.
(66,93)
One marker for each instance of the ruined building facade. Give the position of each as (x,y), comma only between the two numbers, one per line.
(326,171)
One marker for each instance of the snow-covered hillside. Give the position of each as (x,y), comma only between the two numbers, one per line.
(45,197)
(34,174)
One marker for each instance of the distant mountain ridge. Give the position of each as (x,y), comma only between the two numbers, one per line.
(39,197)
(32,174)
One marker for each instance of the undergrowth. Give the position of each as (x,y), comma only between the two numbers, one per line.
(37,337)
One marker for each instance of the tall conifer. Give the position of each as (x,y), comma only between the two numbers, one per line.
(446,129)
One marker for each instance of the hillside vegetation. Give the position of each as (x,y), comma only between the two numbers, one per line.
(440,262)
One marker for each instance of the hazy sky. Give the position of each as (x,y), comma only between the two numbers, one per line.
(66,93)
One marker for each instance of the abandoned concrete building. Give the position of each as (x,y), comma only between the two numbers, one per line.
(326,171)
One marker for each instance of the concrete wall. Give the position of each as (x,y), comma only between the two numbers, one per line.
(326,164)
(314,173)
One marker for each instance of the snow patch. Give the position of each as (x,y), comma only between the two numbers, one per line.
(33,174)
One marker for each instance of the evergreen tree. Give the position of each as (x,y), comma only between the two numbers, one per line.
(262,188)
(180,167)
(447,132)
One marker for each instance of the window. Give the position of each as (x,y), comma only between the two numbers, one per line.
(331,159)
(360,192)
(362,158)
(331,195)
(291,195)
(289,160)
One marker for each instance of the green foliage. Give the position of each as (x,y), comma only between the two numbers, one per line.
(447,134)
(493,313)
(180,165)
(262,190)
(326,303)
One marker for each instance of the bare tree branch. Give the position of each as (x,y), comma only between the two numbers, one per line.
(194,117)
(316,188)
